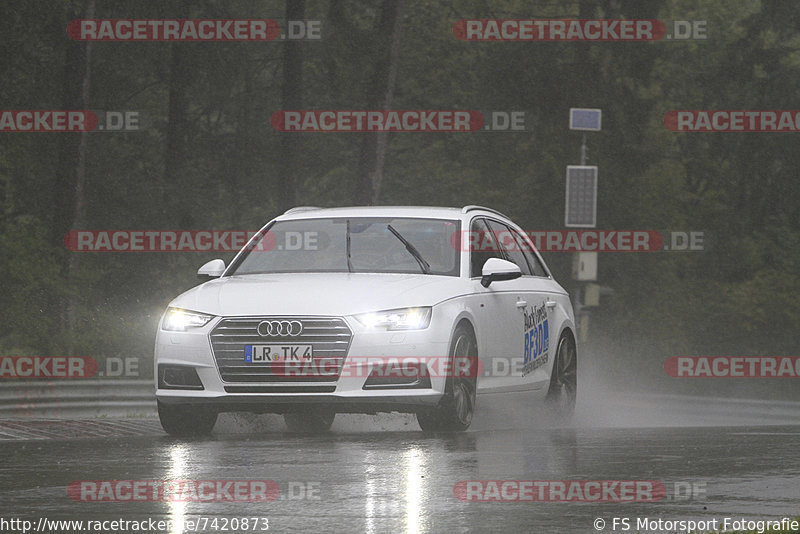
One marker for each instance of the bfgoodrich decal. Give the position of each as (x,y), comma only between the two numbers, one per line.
(537,338)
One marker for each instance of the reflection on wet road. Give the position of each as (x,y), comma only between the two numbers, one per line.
(397,479)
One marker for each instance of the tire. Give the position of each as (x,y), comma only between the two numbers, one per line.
(310,421)
(184,421)
(563,391)
(457,407)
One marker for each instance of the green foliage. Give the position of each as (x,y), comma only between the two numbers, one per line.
(736,297)
(31,287)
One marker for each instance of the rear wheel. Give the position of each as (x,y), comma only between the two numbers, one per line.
(316,420)
(563,390)
(188,420)
(457,407)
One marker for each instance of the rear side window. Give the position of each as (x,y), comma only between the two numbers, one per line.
(509,242)
(527,249)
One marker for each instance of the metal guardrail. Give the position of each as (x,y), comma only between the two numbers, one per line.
(77,399)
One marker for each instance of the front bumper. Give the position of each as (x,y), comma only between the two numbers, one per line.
(348,394)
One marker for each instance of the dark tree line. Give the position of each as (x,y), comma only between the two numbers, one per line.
(207,158)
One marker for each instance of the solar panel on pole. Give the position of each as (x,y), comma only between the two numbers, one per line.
(585,119)
(581,197)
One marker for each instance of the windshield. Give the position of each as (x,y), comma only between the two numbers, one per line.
(355,244)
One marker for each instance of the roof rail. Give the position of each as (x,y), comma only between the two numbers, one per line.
(300,208)
(473,207)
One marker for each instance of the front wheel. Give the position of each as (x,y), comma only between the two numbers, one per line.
(457,407)
(563,390)
(183,421)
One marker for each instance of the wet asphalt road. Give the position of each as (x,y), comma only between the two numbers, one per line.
(381,474)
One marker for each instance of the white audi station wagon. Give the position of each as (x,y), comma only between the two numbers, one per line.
(420,310)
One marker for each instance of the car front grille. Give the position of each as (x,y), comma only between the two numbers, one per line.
(329,336)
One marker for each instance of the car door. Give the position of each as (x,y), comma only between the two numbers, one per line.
(493,310)
(541,347)
(528,326)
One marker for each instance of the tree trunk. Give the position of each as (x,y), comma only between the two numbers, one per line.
(174,181)
(377,91)
(70,213)
(291,98)
(69,170)
(391,81)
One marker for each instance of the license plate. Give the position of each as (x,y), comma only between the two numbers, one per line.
(278,352)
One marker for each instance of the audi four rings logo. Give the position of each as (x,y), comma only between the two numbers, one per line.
(280,328)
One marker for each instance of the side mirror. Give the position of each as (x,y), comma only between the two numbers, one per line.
(496,270)
(212,269)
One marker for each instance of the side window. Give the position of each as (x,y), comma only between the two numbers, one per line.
(509,243)
(482,246)
(527,249)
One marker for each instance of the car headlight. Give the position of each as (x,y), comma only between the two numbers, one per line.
(399,319)
(178,320)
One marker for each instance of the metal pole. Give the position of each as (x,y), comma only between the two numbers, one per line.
(583,150)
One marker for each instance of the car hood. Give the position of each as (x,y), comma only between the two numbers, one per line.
(317,293)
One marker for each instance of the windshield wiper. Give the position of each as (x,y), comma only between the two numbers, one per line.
(349,262)
(426,268)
